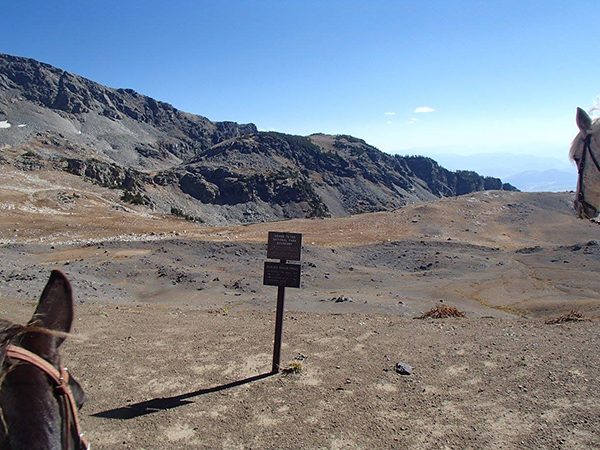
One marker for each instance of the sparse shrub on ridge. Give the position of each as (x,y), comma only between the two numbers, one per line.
(179,213)
(442,312)
(293,140)
(572,316)
(135,198)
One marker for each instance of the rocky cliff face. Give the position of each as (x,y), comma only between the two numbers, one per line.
(124,126)
(444,183)
(217,172)
(319,175)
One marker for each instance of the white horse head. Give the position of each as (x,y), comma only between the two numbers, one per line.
(585,151)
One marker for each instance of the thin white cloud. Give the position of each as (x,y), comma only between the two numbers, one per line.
(4,124)
(424,109)
(389,122)
(390,113)
(595,110)
(413,121)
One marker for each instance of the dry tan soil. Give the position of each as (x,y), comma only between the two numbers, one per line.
(173,335)
(161,377)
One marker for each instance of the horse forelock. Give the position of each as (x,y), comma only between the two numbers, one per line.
(8,331)
(577,144)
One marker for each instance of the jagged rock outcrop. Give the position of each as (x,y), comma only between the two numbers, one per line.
(327,175)
(127,127)
(444,183)
(107,174)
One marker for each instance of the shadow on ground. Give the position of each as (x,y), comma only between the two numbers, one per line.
(164,403)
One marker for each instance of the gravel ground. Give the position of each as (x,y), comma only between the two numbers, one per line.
(164,377)
(173,333)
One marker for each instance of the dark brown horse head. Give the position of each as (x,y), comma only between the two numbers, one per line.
(33,409)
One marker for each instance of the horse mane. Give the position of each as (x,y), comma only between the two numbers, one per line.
(9,330)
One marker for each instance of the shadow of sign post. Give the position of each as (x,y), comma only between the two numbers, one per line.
(282,246)
(165,403)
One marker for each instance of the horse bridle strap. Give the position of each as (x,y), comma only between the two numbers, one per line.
(587,149)
(61,380)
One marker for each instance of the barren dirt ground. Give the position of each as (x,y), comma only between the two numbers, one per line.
(173,335)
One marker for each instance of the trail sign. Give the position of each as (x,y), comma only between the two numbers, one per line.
(281,274)
(287,246)
(282,246)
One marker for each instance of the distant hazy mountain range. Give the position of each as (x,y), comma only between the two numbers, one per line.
(525,172)
(185,164)
(551,180)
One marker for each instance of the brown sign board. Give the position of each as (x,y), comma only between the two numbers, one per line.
(286,246)
(281,274)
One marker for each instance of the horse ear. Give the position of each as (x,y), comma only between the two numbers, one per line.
(584,122)
(55,307)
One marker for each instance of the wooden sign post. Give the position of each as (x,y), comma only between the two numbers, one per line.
(282,246)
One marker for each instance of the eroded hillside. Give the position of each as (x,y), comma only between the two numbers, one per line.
(219,173)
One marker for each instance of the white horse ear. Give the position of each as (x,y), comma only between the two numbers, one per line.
(583,121)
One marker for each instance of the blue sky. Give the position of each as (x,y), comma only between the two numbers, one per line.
(497,75)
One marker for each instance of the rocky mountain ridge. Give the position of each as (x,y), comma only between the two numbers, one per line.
(216,172)
(131,129)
